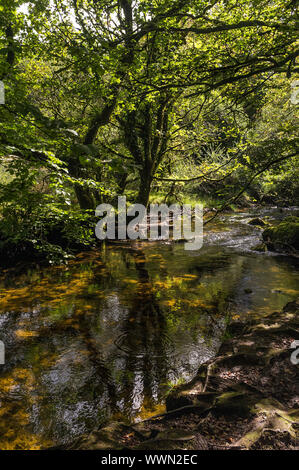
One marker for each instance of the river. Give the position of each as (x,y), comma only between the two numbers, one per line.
(107,336)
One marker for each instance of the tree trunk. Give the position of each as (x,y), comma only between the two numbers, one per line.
(144,188)
(85,197)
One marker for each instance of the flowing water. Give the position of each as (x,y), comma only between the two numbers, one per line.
(108,334)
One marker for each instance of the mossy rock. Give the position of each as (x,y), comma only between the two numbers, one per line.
(258,222)
(260,247)
(283,237)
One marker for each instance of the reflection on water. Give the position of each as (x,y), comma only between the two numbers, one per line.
(110,332)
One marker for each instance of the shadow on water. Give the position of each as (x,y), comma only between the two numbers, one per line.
(108,334)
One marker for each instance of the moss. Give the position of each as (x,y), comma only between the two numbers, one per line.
(283,237)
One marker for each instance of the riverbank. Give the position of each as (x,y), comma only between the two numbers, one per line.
(244,398)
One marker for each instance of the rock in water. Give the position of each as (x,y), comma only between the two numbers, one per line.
(284,237)
(258,222)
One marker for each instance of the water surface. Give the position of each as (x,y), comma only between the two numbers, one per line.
(111,332)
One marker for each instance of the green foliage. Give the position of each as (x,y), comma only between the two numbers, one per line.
(186,98)
(48,232)
(38,221)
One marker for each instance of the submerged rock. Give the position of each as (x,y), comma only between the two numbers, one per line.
(284,237)
(248,291)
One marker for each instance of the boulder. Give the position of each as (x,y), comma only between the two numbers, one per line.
(283,237)
(258,222)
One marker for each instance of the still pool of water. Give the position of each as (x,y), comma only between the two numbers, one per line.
(111,332)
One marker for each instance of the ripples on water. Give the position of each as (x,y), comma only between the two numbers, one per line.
(112,331)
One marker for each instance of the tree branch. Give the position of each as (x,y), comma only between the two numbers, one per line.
(259,172)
